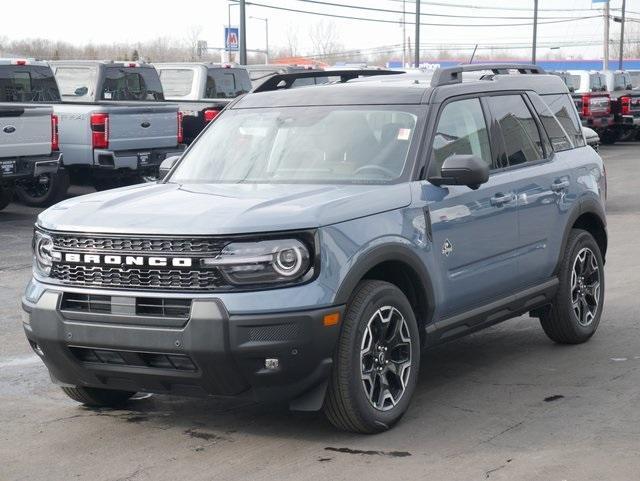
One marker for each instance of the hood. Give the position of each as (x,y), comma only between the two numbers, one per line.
(210,209)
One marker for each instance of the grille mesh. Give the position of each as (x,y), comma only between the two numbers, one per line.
(137,244)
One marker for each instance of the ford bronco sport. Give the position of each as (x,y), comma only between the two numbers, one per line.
(312,241)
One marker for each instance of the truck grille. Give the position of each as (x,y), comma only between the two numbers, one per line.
(140,278)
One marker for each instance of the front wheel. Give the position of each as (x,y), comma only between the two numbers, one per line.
(575,312)
(44,190)
(6,194)
(96,397)
(376,362)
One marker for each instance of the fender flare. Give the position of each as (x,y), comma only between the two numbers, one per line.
(384,253)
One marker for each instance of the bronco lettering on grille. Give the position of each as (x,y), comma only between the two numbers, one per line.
(116,260)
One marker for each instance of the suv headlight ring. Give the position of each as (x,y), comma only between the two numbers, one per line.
(43,253)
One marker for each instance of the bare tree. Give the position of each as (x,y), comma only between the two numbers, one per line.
(325,39)
(193,35)
(292,41)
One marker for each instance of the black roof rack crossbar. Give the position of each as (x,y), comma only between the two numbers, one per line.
(285,80)
(453,75)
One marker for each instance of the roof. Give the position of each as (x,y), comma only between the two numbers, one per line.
(411,88)
(110,63)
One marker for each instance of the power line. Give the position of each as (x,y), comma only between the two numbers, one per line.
(487,7)
(396,22)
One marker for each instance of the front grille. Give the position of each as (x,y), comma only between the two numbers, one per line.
(138,306)
(137,244)
(179,362)
(136,278)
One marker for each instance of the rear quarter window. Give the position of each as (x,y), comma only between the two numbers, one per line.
(560,120)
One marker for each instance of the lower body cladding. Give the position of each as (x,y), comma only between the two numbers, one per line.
(179,346)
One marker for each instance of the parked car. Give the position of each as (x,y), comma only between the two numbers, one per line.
(312,241)
(29,153)
(261,72)
(593,101)
(105,141)
(201,91)
(625,103)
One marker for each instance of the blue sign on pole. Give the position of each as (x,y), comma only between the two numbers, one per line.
(231,38)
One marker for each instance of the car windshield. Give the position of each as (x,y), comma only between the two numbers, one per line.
(302,145)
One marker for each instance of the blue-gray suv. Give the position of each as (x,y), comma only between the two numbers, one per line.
(312,241)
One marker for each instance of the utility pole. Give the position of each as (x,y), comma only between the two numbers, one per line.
(605,46)
(417,33)
(535,31)
(620,63)
(243,34)
(404,35)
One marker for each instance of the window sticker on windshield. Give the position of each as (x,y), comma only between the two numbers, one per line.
(107,95)
(404,134)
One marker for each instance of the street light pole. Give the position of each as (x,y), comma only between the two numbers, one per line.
(417,33)
(266,46)
(243,33)
(621,61)
(535,31)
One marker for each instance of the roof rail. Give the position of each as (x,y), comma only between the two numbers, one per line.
(274,82)
(453,75)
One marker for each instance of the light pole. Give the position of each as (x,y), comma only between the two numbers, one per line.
(621,21)
(266,29)
(535,32)
(243,33)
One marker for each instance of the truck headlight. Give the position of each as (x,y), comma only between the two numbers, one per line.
(43,253)
(263,262)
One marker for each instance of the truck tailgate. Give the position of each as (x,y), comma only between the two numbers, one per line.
(143,127)
(25,130)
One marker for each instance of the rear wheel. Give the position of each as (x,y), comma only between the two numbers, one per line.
(575,313)
(96,397)
(44,190)
(376,362)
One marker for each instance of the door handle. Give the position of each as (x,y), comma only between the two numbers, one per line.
(560,185)
(499,199)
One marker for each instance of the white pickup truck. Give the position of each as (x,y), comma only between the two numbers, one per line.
(29,152)
(105,142)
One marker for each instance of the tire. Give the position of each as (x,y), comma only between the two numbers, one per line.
(573,316)
(6,196)
(44,190)
(347,404)
(96,397)
(609,137)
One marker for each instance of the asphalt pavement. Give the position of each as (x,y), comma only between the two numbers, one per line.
(502,404)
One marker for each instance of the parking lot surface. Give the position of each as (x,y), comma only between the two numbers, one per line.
(502,404)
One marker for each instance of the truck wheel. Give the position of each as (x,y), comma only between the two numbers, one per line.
(575,313)
(96,397)
(44,190)
(609,137)
(376,361)
(6,195)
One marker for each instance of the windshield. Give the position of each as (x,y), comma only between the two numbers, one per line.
(302,145)
(130,83)
(27,84)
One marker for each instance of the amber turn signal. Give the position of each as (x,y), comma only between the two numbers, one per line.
(331,319)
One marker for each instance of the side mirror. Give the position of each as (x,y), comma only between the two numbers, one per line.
(469,170)
(166,165)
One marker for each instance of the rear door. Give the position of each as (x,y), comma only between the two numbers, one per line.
(475,232)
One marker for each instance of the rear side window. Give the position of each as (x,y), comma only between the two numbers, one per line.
(560,120)
(461,130)
(176,82)
(76,83)
(130,83)
(519,129)
(27,84)
(226,83)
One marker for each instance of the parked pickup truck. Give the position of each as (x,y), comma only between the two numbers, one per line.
(593,101)
(107,139)
(625,103)
(28,146)
(201,90)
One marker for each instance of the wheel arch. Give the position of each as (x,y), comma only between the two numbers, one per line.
(398,265)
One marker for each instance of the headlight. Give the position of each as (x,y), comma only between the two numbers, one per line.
(264,262)
(43,254)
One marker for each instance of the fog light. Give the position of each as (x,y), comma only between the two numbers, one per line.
(272,364)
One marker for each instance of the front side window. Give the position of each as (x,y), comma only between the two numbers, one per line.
(176,82)
(461,130)
(519,129)
(302,145)
(130,83)
(76,83)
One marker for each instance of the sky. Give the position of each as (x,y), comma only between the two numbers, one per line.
(79,22)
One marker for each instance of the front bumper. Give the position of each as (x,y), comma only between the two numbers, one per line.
(27,167)
(147,160)
(227,351)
